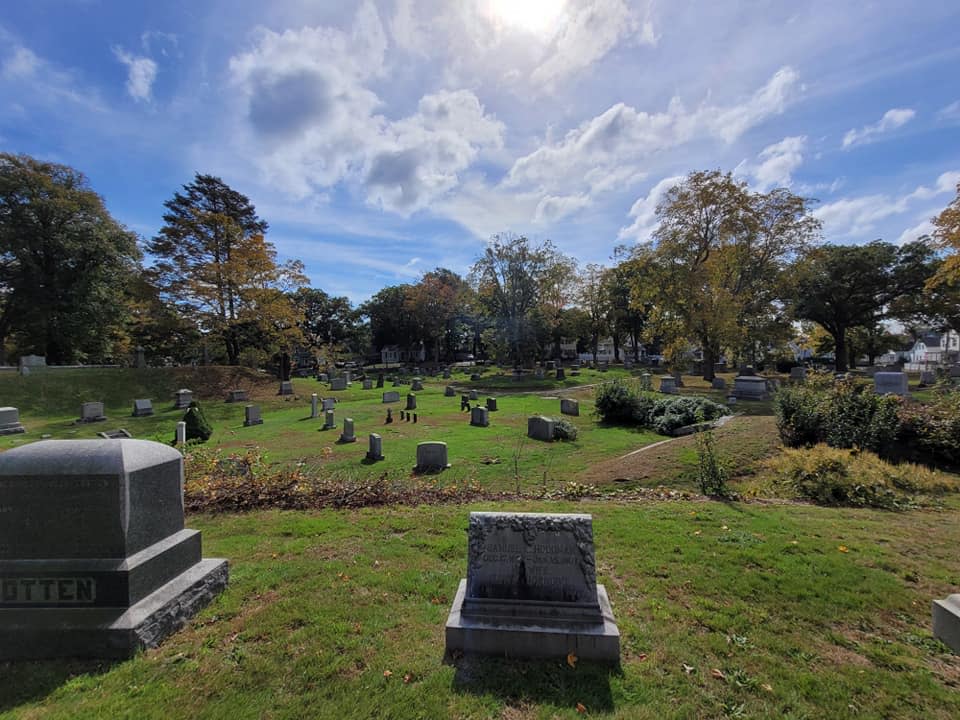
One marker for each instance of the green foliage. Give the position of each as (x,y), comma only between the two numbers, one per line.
(669,413)
(619,403)
(563,429)
(197,426)
(933,428)
(616,402)
(711,470)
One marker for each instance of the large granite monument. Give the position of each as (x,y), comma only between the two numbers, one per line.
(531,590)
(946,622)
(94,557)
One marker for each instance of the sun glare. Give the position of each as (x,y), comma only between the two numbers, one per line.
(539,17)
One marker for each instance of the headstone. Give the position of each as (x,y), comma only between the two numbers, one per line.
(668,384)
(411,401)
(140,361)
(417,384)
(182,399)
(235,396)
(746,371)
(928,377)
(391,396)
(403,415)
(540,428)
(10,421)
(329,404)
(946,622)
(142,408)
(798,374)
(492,404)
(180,433)
(115,434)
(375,450)
(474,395)
(286,388)
(33,361)
(449,392)
(531,590)
(474,377)
(285,367)
(561,375)
(464,403)
(551,365)
(323,377)
(380,380)
(94,557)
(955,371)
(347,435)
(646,382)
(314,406)
(890,383)
(251,416)
(677,378)
(347,377)
(750,387)
(446,374)
(431,456)
(24,370)
(329,423)
(538,374)
(569,407)
(480,417)
(368,384)
(718,383)
(389,418)
(92,412)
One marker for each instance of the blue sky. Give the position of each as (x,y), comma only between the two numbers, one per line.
(383,139)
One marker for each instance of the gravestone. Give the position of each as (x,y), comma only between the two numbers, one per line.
(480,417)
(955,371)
(746,371)
(367,384)
(114,434)
(646,382)
(677,379)
(142,408)
(347,435)
(347,377)
(946,622)
(411,401)
(417,384)
(180,433)
(798,374)
(329,423)
(750,387)
(235,396)
(561,375)
(251,416)
(33,361)
(380,380)
(140,361)
(182,399)
(538,374)
(323,377)
(928,377)
(92,412)
(531,590)
(474,395)
(668,384)
(718,383)
(391,396)
(314,406)
(329,404)
(285,367)
(492,404)
(446,374)
(890,383)
(449,392)
(551,365)
(10,421)
(431,456)
(94,557)
(375,449)
(569,407)
(286,388)
(474,377)
(540,428)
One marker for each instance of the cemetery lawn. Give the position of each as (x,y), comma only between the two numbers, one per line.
(725,610)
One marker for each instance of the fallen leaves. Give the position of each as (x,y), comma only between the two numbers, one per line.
(572,659)
(387,673)
(688,669)
(581,708)
(717,674)
(843,549)
(641,657)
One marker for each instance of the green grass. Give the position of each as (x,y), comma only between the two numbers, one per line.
(321,605)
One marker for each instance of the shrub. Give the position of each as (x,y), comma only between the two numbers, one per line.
(800,418)
(711,470)
(563,429)
(933,430)
(197,426)
(669,413)
(616,402)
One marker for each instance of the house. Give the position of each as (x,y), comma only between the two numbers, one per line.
(394,354)
(801,354)
(604,350)
(932,349)
(894,356)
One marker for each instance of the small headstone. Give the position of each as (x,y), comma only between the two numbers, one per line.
(718,383)
(474,377)
(531,590)
(449,392)
(446,374)
(314,406)
(142,408)
(329,404)
(389,419)
(180,433)
(417,384)
(329,423)
(561,375)
(347,435)
(646,382)
(668,384)
(928,377)
(92,412)
(746,371)
(380,380)
(540,428)
(235,396)
(286,387)
(411,401)
(492,404)
(955,371)
(474,395)
(414,418)
(403,415)
(375,450)
(551,365)
(750,387)
(347,377)
(33,361)
(323,377)
(391,396)
(367,384)
(798,374)
(251,416)
(140,361)
(891,383)
(538,374)
(10,421)
(431,456)
(115,434)
(464,403)
(182,399)
(480,417)
(569,407)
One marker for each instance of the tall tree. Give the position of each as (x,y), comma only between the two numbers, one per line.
(391,322)
(435,305)
(845,286)
(64,262)
(594,300)
(328,322)
(214,262)
(946,234)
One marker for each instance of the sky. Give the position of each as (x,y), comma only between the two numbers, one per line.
(383,139)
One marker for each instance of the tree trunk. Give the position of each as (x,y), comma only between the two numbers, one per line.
(616,348)
(636,345)
(233,349)
(709,358)
(840,350)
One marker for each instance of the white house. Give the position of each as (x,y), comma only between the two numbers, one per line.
(394,354)
(932,349)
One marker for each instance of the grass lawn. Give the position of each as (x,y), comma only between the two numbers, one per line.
(725,610)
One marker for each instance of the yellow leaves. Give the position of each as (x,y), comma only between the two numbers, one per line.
(572,659)
(767,687)
(581,708)
(387,673)
(843,548)
(696,532)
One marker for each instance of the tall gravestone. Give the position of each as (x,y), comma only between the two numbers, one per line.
(411,401)
(480,417)
(180,433)
(314,403)
(94,557)
(531,590)
(329,422)
(285,367)
(347,435)
(375,449)
(182,399)
(492,404)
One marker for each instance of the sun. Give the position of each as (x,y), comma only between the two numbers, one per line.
(539,17)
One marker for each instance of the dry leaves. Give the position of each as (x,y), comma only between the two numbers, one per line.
(581,708)
(572,659)
(843,549)
(717,674)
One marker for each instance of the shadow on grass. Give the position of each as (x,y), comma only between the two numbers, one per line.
(537,681)
(26,681)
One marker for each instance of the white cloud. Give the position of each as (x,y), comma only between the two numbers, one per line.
(35,81)
(924,227)
(551,208)
(891,120)
(951,113)
(141,72)
(776,163)
(22,63)
(644,211)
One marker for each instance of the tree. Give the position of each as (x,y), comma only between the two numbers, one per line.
(391,322)
(594,300)
(434,305)
(946,235)
(557,294)
(64,262)
(328,322)
(845,286)
(214,262)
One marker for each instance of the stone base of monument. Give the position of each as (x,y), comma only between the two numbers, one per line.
(946,622)
(515,635)
(12,429)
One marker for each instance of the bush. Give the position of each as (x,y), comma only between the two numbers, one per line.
(197,426)
(711,470)
(800,418)
(616,402)
(669,413)
(563,429)
(933,430)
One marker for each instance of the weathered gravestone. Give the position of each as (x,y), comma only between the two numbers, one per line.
(338,383)
(286,388)
(375,449)
(480,417)
(114,434)
(367,384)
(94,557)
(668,384)
(750,387)
(561,375)
(329,404)
(392,396)
(646,381)
(569,407)
(540,428)
(314,406)
(718,383)
(946,622)
(928,377)
(474,377)
(180,433)
(449,392)
(411,401)
(347,435)
(323,377)
(380,380)
(746,371)
(417,384)
(474,395)
(235,396)
(329,422)
(892,383)
(92,412)
(798,374)
(251,416)
(955,371)
(10,421)
(492,404)
(182,399)
(142,408)
(531,590)
(140,361)
(431,456)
